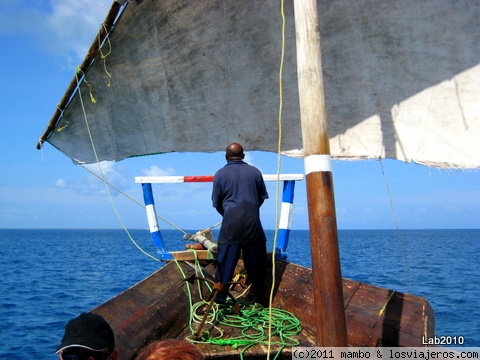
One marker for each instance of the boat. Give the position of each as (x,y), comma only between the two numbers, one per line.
(184,76)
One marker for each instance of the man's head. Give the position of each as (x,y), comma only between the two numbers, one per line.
(234,152)
(88,336)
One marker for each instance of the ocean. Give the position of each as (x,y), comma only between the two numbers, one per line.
(51,276)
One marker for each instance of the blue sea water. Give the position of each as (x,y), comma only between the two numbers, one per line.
(50,276)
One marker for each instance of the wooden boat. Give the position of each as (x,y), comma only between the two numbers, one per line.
(158,308)
(194,76)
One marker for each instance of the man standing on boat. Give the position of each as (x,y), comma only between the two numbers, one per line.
(238,192)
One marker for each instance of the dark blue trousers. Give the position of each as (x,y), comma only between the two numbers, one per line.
(255,260)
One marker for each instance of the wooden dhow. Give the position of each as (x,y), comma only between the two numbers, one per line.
(194,76)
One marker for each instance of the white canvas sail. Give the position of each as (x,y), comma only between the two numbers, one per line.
(402,81)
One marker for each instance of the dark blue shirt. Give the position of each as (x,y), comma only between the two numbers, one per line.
(238,192)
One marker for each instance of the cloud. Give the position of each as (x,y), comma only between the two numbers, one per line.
(93,184)
(156,171)
(73,24)
(61,183)
(249,159)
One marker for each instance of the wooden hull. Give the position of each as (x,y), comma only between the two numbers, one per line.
(158,308)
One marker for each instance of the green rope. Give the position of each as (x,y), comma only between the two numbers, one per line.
(253,323)
(198,270)
(257,325)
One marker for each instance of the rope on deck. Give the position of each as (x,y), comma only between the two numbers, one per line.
(253,323)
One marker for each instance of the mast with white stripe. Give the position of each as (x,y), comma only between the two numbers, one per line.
(328,288)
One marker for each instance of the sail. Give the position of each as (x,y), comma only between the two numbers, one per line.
(402,81)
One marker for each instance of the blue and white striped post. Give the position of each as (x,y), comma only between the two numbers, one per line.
(285,219)
(152,217)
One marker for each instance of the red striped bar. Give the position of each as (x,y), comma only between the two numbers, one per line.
(198,178)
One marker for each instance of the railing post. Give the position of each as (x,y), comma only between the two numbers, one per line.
(285,223)
(152,217)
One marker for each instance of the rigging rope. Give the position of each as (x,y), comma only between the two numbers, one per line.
(102,175)
(402,241)
(138,202)
(101,170)
(279,166)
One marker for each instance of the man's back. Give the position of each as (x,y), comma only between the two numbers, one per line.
(238,193)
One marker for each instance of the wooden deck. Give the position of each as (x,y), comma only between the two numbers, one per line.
(159,308)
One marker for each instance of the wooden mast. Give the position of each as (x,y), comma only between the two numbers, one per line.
(328,290)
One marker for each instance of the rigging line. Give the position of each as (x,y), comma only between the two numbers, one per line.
(143,206)
(103,175)
(138,202)
(399,236)
(106,183)
(279,167)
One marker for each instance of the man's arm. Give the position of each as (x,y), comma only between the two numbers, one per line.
(262,193)
(217,199)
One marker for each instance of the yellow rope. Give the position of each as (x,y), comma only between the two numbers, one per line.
(380,313)
(279,166)
(79,71)
(139,203)
(103,175)
(106,183)
(61,117)
(104,56)
(92,98)
(104,180)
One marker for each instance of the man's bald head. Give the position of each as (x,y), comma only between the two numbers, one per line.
(234,152)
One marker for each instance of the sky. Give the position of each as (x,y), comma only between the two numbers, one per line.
(44,40)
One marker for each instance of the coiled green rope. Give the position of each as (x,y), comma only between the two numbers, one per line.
(257,325)
(253,324)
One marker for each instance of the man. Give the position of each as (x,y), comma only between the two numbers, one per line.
(88,336)
(238,192)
